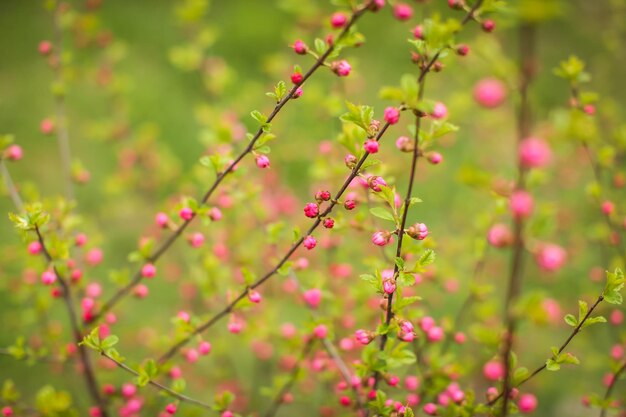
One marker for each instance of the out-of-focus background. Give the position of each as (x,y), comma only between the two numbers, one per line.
(153,85)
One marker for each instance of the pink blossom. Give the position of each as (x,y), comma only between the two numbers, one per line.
(550,257)
(490,92)
(534,153)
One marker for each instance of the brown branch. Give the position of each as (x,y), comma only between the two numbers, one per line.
(160,387)
(88,372)
(561,349)
(609,389)
(11,189)
(416,153)
(221,176)
(230,307)
(527,56)
(278,399)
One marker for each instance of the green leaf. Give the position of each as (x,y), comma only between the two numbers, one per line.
(571,320)
(320,46)
(382,213)
(427,258)
(583,309)
(109,342)
(258,116)
(614,284)
(551,365)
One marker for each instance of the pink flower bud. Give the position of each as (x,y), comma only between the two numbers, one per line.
(459,337)
(499,236)
(389,286)
(534,153)
(297,77)
(161,219)
(14,153)
(300,47)
(617,352)
(608,208)
(391,115)
(590,109)
(527,403)
(375,182)
(140,291)
(320,331)
(262,161)
(349,204)
(371,146)
(521,204)
(313,297)
(381,238)
(338,20)
(297,93)
(80,239)
(328,223)
(128,390)
(191,355)
(34,248)
(427,323)
(94,256)
(45,47)
(148,270)
(186,213)
(204,348)
(435,334)
(550,257)
(196,240)
(402,11)
(341,68)
(430,409)
(48,277)
(46,126)
(170,408)
(418,32)
(215,214)
(376,5)
(434,158)
(463,50)
(363,336)
(411,383)
(616,317)
(440,111)
(493,370)
(490,93)
(418,231)
(489,25)
(254,296)
(311,210)
(309,242)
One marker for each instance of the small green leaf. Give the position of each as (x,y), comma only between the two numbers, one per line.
(382,213)
(258,116)
(571,320)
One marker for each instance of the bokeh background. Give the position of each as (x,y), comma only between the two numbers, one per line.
(153,85)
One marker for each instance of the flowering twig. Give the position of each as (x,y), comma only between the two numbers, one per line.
(561,349)
(609,389)
(409,193)
(63,136)
(221,176)
(90,377)
(10,186)
(160,387)
(230,307)
(278,399)
(527,52)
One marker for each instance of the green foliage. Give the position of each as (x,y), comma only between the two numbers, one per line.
(614,284)
(573,71)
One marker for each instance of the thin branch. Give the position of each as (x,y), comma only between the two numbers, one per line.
(278,399)
(10,186)
(409,193)
(527,55)
(230,307)
(221,176)
(160,387)
(90,377)
(609,389)
(561,349)
(63,137)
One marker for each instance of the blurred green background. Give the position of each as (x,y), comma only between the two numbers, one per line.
(165,101)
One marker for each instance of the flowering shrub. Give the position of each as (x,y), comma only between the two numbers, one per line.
(426,260)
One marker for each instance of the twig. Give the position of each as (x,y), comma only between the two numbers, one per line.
(221,176)
(561,349)
(63,136)
(90,377)
(160,387)
(609,389)
(527,52)
(416,153)
(12,190)
(229,308)
(278,399)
